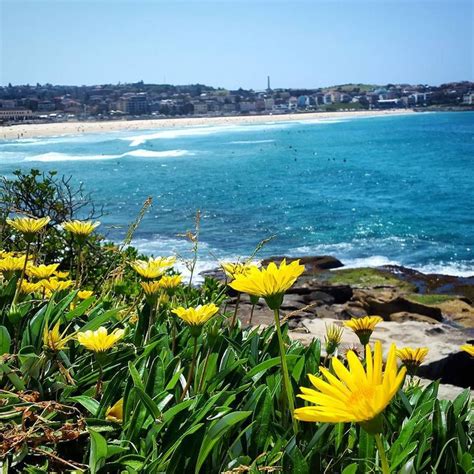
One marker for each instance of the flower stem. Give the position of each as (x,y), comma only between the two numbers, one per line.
(22,276)
(383,455)
(234,317)
(287,388)
(251,314)
(79,266)
(191,371)
(98,387)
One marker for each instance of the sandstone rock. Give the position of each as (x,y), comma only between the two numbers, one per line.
(459,312)
(403,316)
(442,340)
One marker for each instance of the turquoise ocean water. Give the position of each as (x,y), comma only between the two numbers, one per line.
(369,191)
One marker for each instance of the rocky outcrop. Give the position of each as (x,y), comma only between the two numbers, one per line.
(445,361)
(412,317)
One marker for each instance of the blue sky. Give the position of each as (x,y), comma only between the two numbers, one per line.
(236,43)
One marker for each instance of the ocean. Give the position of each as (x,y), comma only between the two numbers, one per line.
(370,191)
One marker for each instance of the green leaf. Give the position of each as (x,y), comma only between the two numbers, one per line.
(258,371)
(218,430)
(89,403)
(98,451)
(148,402)
(350,469)
(5,340)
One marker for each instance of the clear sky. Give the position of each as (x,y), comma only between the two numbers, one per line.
(236,43)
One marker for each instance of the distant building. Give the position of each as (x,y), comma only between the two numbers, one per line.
(303,101)
(468,99)
(133,104)
(46,106)
(14,114)
(292,103)
(200,108)
(328,99)
(7,104)
(247,106)
(269,103)
(228,108)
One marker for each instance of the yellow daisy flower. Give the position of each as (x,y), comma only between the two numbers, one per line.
(363,327)
(84,294)
(12,264)
(196,316)
(153,268)
(55,341)
(41,271)
(333,338)
(28,226)
(80,228)
(270,283)
(412,358)
(115,412)
(168,282)
(53,284)
(469,348)
(237,268)
(61,275)
(356,394)
(27,287)
(100,340)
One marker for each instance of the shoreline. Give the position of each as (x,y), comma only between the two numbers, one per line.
(22,131)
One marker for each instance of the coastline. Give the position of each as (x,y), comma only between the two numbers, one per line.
(22,131)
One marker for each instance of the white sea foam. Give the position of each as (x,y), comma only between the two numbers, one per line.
(158,154)
(460,269)
(138,140)
(140,153)
(55,156)
(250,142)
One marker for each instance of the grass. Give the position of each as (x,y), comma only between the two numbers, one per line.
(430,299)
(368,277)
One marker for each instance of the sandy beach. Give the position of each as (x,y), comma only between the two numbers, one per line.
(22,131)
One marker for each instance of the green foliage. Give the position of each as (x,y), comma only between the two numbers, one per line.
(229,414)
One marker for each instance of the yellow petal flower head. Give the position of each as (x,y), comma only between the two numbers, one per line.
(27,287)
(41,271)
(469,348)
(61,275)
(198,315)
(151,288)
(238,268)
(53,340)
(115,412)
(353,395)
(4,254)
(80,229)
(12,264)
(412,358)
(270,283)
(153,268)
(53,284)
(28,226)
(333,338)
(84,294)
(99,340)
(168,282)
(363,327)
